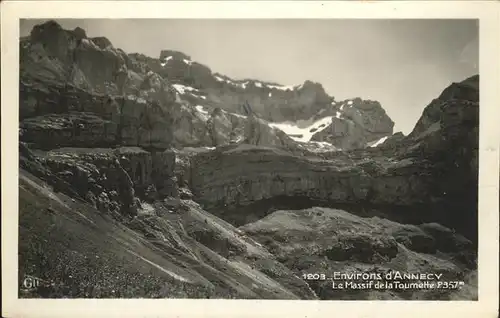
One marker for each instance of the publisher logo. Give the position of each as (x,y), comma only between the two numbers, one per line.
(30,283)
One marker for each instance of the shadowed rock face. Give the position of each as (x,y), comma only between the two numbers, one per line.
(110,179)
(151,163)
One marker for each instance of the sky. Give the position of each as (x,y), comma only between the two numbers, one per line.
(403,64)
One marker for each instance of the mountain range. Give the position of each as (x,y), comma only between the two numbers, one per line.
(157,177)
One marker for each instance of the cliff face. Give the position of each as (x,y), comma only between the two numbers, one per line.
(357,123)
(436,167)
(163,159)
(142,96)
(74,91)
(62,115)
(354,122)
(111,180)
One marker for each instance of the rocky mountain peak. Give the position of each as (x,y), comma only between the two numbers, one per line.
(171,54)
(93,64)
(433,117)
(48,27)
(80,33)
(102,42)
(310,85)
(467,89)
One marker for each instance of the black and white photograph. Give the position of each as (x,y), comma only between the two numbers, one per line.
(265,159)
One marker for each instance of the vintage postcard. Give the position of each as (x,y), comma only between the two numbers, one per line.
(243,159)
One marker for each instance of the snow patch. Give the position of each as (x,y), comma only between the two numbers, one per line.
(349,103)
(379,142)
(342,107)
(303,134)
(320,146)
(234,114)
(282,87)
(270,94)
(147,208)
(188,62)
(137,99)
(242,85)
(198,96)
(258,84)
(220,79)
(202,113)
(182,88)
(165,60)
(239,139)
(337,115)
(201,110)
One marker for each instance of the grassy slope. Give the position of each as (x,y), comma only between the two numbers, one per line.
(85,254)
(79,252)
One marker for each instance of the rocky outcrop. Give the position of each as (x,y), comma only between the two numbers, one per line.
(218,179)
(54,54)
(357,123)
(178,67)
(455,95)
(435,173)
(271,102)
(61,116)
(96,177)
(201,126)
(150,170)
(70,129)
(110,179)
(329,242)
(77,91)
